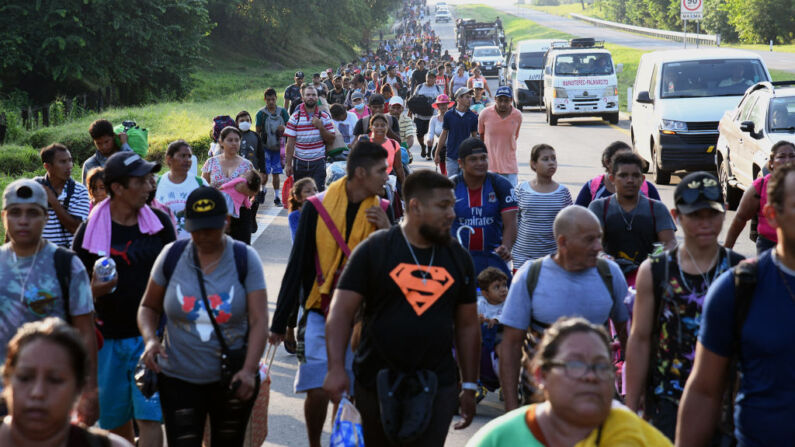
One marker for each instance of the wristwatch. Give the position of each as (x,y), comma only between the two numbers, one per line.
(472,386)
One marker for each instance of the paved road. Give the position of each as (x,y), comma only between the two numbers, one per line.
(579,144)
(774,60)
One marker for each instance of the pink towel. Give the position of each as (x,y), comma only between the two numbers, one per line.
(99,224)
(238,199)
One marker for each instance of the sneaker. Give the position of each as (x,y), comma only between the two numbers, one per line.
(480,394)
(277,201)
(261,197)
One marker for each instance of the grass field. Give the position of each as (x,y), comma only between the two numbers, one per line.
(518,29)
(597,13)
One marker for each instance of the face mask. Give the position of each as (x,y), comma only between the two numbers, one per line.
(245,126)
(359,106)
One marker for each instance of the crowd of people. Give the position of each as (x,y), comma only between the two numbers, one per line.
(134,297)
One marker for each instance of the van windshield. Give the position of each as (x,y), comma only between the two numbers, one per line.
(584,64)
(486,52)
(724,77)
(531,60)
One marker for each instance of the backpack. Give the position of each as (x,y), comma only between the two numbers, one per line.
(421,105)
(596,182)
(270,128)
(219,122)
(534,271)
(70,189)
(137,137)
(63,271)
(176,250)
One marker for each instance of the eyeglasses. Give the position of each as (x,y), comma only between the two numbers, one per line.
(575,369)
(708,188)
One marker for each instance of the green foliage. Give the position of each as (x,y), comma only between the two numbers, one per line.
(16,160)
(749,21)
(144,49)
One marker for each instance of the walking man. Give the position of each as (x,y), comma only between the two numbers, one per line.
(308,132)
(593,288)
(292,95)
(499,126)
(68,199)
(430,90)
(348,212)
(416,303)
(668,305)
(133,235)
(104,139)
(751,325)
(459,124)
(270,125)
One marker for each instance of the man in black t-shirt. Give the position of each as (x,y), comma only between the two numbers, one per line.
(416,289)
(343,201)
(419,75)
(292,95)
(132,234)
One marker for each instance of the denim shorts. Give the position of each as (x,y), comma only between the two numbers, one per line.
(273,162)
(312,373)
(119,398)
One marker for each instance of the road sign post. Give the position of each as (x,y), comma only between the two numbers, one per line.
(691,10)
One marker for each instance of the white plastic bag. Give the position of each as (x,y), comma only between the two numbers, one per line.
(347,430)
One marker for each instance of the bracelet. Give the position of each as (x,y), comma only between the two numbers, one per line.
(472,386)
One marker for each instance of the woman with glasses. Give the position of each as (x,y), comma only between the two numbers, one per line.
(671,288)
(754,200)
(574,371)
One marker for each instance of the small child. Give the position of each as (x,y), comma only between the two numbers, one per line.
(96,187)
(298,194)
(493,285)
(241,190)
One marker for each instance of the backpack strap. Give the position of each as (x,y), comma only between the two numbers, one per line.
(604,211)
(384,204)
(332,228)
(653,217)
(70,190)
(595,183)
(172,257)
(660,271)
(533,272)
(745,279)
(603,268)
(644,188)
(63,271)
(241,261)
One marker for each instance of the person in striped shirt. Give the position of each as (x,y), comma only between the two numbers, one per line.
(308,132)
(68,200)
(539,202)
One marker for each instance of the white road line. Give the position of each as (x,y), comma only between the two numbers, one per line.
(264,219)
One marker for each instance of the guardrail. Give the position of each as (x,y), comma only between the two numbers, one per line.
(704,39)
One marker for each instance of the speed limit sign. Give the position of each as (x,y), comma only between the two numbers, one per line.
(692,9)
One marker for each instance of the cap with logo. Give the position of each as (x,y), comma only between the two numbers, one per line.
(477,84)
(323,75)
(471,146)
(24,191)
(504,91)
(127,164)
(697,191)
(299,74)
(205,209)
(462,91)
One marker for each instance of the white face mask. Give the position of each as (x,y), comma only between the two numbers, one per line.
(245,126)
(359,106)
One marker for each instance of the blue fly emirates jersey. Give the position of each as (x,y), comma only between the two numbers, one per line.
(482,210)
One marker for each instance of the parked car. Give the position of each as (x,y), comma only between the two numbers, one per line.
(764,116)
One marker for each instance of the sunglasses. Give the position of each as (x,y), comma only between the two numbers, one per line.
(707,188)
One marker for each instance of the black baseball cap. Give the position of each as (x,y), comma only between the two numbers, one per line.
(205,209)
(377,99)
(299,74)
(471,146)
(697,191)
(127,164)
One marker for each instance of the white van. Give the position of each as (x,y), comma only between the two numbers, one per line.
(527,72)
(580,80)
(679,98)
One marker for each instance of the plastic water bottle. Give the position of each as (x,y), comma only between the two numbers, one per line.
(105,268)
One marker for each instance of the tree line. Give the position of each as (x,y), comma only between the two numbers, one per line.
(147,49)
(747,21)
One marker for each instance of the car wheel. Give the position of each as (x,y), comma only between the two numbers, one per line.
(552,120)
(661,177)
(731,194)
(612,118)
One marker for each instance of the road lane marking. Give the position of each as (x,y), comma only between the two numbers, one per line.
(264,219)
(618,128)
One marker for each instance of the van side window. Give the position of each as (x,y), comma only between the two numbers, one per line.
(653,83)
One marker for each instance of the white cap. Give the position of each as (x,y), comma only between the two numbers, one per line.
(323,75)
(396,100)
(477,84)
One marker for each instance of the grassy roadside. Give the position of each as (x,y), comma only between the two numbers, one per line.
(597,13)
(518,29)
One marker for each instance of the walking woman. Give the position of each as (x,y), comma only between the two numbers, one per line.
(378,128)
(45,371)
(442,104)
(224,168)
(174,186)
(194,379)
(754,200)
(539,202)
